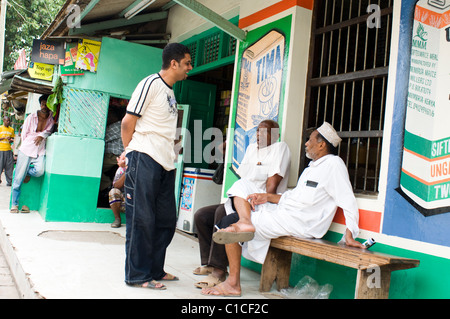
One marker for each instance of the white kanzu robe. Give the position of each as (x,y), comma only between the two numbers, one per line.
(256,167)
(306,211)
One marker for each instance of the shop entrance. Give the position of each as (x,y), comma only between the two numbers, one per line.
(209,95)
(113,148)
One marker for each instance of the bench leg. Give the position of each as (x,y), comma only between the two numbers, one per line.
(373,283)
(277,266)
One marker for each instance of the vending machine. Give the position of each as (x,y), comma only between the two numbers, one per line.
(197,190)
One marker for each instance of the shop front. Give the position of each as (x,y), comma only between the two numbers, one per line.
(305,62)
(298,62)
(70,188)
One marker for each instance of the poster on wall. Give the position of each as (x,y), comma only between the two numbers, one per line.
(260,88)
(87,55)
(425,173)
(41,71)
(68,69)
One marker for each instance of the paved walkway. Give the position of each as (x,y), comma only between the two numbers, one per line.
(8,289)
(86,260)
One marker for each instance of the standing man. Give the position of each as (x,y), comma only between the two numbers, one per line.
(148,134)
(6,154)
(36,128)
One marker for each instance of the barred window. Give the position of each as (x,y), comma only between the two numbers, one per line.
(347,82)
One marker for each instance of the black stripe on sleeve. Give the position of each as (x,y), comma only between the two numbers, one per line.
(143,96)
(132,113)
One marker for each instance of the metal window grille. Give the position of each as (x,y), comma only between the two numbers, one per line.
(211,48)
(231,50)
(83,113)
(347,82)
(193,49)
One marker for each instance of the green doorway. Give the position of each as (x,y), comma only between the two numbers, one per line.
(209,96)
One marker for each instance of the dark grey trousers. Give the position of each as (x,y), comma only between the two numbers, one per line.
(7,163)
(211,254)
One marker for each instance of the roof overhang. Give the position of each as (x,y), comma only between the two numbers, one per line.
(18,83)
(142,21)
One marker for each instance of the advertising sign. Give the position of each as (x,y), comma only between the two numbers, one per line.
(259,91)
(188,196)
(41,71)
(87,55)
(425,177)
(47,52)
(68,69)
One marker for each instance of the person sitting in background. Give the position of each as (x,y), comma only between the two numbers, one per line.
(264,168)
(116,198)
(113,146)
(306,211)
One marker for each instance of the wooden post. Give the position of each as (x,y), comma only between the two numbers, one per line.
(277,267)
(373,283)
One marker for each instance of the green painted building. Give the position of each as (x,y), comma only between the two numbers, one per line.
(344,62)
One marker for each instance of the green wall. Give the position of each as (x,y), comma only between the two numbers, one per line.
(70,186)
(122,65)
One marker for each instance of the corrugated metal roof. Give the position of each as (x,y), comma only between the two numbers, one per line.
(112,8)
(102,11)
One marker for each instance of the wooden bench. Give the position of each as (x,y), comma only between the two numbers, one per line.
(277,265)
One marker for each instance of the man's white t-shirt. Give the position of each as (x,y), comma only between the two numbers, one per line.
(153,101)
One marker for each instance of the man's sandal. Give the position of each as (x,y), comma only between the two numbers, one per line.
(170,277)
(209,282)
(225,237)
(203,270)
(25,209)
(150,285)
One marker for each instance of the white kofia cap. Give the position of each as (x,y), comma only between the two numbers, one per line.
(327,131)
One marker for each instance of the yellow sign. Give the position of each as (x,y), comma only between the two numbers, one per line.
(87,55)
(41,71)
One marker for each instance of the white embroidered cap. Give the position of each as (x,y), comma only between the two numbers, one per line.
(327,131)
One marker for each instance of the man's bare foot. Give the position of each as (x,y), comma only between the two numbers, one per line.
(234,233)
(239,227)
(223,289)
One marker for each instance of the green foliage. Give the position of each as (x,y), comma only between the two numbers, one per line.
(57,96)
(26,20)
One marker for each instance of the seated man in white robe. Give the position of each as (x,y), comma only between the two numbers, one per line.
(307,211)
(264,168)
